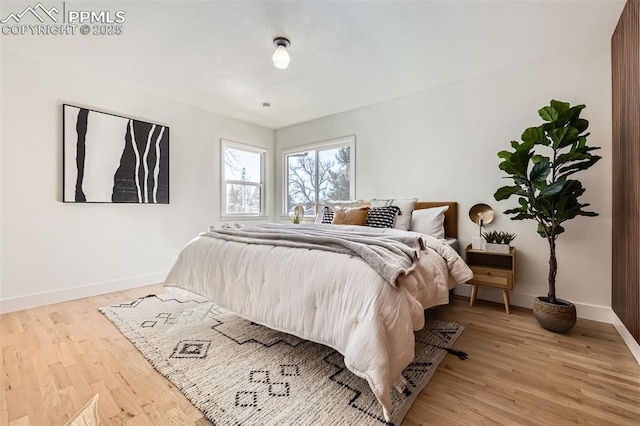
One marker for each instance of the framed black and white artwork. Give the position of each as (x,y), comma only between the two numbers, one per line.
(113,159)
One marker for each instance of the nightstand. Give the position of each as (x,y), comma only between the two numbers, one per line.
(493,270)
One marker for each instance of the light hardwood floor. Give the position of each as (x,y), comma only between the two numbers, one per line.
(56,357)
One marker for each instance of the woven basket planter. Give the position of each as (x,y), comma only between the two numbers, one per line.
(559,318)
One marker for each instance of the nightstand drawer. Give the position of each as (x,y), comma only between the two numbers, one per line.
(491,277)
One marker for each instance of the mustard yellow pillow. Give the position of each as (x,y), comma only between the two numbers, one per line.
(350,216)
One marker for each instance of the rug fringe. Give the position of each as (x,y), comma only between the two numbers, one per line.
(459,354)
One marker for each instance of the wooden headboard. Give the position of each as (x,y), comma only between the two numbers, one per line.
(450,216)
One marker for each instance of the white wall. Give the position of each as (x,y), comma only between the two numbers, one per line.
(441,145)
(53,251)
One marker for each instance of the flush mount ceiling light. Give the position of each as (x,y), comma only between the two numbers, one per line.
(281,57)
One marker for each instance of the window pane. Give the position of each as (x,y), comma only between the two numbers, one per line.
(333,172)
(315,175)
(242,165)
(301,172)
(244,199)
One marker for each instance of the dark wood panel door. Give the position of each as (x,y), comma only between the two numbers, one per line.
(625,49)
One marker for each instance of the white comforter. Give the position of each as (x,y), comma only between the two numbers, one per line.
(330,298)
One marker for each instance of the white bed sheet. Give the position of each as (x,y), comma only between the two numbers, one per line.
(453,243)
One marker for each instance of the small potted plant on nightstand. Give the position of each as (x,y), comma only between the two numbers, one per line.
(298,212)
(295,219)
(546,193)
(498,242)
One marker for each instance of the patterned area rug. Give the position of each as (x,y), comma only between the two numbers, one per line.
(241,373)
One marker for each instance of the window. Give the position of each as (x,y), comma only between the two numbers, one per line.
(318,173)
(242,179)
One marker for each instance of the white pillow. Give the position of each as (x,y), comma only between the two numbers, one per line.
(332,204)
(342,203)
(403,220)
(429,221)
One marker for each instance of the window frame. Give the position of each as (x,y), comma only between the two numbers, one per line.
(340,142)
(226,143)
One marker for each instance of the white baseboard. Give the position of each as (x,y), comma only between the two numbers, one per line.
(583,310)
(66,294)
(634,346)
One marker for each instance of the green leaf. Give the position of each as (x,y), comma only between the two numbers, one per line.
(582,142)
(574,155)
(540,171)
(561,209)
(504,154)
(560,106)
(509,168)
(591,214)
(548,113)
(587,213)
(543,208)
(513,211)
(571,188)
(519,214)
(506,192)
(576,167)
(568,210)
(580,124)
(524,203)
(569,115)
(542,230)
(525,146)
(518,163)
(569,137)
(557,135)
(563,136)
(547,127)
(553,189)
(572,113)
(535,135)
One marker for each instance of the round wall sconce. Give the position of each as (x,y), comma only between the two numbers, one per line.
(481,214)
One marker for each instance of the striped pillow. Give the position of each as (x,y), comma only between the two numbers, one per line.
(382,217)
(327,215)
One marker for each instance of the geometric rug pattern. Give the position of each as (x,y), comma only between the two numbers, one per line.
(240,373)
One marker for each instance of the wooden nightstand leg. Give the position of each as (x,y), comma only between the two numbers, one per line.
(505,296)
(474,293)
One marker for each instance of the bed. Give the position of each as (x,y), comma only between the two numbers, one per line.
(332,298)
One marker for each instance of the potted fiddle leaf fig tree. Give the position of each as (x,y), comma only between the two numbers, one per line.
(542,166)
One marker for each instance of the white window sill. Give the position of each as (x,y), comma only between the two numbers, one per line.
(240,218)
(305,219)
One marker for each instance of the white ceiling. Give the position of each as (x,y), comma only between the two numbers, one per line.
(344,54)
